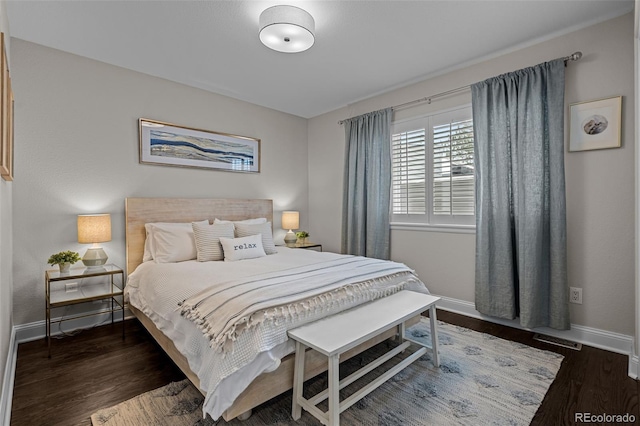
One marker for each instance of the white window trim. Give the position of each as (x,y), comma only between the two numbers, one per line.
(429,226)
(426,227)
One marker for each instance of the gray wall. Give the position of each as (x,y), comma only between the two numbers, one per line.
(6,241)
(77,152)
(600,184)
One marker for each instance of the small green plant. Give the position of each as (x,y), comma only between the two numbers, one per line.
(302,234)
(64,257)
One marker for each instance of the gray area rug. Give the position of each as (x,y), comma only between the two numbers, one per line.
(482,380)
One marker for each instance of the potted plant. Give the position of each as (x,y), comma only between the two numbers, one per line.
(302,236)
(64,259)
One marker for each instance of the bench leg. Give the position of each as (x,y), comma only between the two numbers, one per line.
(334,390)
(298,381)
(434,334)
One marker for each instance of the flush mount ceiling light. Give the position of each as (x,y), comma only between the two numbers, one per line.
(287,29)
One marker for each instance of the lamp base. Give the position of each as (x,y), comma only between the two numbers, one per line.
(290,238)
(95,256)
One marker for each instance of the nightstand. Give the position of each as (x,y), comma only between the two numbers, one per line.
(312,246)
(79,285)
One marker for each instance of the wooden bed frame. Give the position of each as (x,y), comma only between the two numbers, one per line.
(139,211)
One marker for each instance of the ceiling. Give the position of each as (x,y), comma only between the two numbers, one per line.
(362,48)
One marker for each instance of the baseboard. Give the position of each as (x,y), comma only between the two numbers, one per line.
(8,379)
(38,329)
(634,366)
(602,339)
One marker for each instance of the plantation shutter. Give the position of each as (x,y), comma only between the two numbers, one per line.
(408,151)
(453,173)
(432,170)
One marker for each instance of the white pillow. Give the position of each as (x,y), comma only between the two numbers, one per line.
(244,230)
(172,242)
(148,253)
(242,248)
(149,246)
(208,240)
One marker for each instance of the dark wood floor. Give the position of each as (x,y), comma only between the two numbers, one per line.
(92,370)
(97,369)
(589,381)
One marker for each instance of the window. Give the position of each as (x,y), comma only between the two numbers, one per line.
(433,178)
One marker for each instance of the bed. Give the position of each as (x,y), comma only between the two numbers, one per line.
(271,372)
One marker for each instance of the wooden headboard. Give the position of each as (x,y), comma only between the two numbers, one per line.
(139,211)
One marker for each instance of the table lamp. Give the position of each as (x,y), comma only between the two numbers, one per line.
(94,229)
(290,221)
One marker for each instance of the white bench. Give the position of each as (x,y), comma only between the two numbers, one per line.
(337,334)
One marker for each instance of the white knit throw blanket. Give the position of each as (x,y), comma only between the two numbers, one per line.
(227,309)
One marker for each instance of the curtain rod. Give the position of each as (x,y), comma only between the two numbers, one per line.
(573,57)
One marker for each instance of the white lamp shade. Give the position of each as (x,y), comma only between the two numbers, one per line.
(290,220)
(287,29)
(94,228)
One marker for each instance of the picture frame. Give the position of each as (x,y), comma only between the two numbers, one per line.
(169,144)
(6,114)
(595,124)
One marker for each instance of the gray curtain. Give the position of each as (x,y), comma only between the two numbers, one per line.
(521,264)
(367,185)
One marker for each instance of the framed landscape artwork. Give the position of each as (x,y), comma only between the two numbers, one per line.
(6,120)
(595,124)
(174,145)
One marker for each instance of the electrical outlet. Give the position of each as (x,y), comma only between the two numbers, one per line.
(69,287)
(575,295)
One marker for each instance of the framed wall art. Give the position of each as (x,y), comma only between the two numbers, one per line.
(595,124)
(173,145)
(6,120)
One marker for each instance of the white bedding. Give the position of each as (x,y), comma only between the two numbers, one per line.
(157,289)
